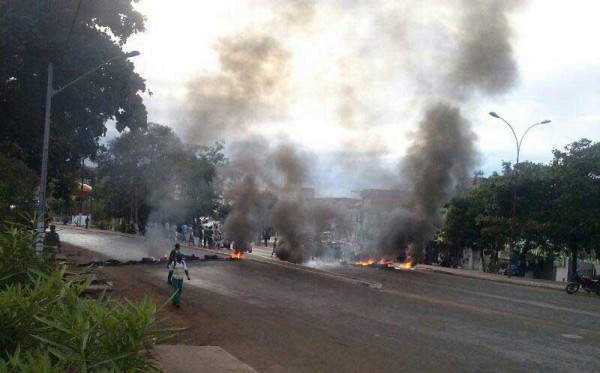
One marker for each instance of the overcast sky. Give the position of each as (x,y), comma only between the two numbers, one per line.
(347,79)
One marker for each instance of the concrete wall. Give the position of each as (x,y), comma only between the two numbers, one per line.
(471,259)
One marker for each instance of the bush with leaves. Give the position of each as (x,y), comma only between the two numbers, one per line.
(46,326)
(18,257)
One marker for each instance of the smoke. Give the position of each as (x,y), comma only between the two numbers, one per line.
(251,86)
(462,51)
(263,182)
(485,61)
(241,223)
(443,147)
(441,155)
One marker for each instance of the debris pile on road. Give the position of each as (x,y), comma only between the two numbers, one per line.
(145,260)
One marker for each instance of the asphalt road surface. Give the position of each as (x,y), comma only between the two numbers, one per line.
(346,319)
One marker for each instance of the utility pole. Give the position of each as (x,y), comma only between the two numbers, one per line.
(513,220)
(41,226)
(81,197)
(51,92)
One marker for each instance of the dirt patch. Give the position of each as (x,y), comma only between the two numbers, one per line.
(135,282)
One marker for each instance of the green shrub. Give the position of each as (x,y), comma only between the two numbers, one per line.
(17,182)
(21,303)
(102,224)
(49,315)
(38,362)
(18,257)
(46,326)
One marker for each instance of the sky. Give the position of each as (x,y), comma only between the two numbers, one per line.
(348,80)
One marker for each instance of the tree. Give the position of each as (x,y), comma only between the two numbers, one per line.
(16,192)
(480,218)
(153,175)
(576,222)
(558,207)
(35,33)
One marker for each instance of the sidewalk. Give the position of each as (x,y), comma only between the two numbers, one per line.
(199,359)
(545,284)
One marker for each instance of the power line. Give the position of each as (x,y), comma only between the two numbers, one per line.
(72,27)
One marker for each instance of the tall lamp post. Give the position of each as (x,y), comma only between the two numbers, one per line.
(518,142)
(51,92)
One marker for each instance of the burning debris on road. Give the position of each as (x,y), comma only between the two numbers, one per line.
(237,254)
(385,263)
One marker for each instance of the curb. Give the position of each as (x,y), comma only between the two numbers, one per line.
(551,286)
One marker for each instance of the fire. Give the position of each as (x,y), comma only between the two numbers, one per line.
(365,262)
(237,254)
(408,263)
(386,262)
(166,255)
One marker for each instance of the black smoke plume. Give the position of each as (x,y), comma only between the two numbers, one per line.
(443,147)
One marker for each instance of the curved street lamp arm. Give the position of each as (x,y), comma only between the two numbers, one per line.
(525,133)
(514,134)
(55,92)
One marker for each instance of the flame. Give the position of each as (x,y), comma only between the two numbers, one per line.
(237,254)
(386,262)
(365,262)
(166,255)
(408,263)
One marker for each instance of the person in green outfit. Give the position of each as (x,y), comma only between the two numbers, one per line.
(176,271)
(173,254)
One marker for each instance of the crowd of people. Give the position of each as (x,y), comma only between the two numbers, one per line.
(193,234)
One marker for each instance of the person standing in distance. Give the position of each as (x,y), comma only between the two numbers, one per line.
(52,242)
(173,254)
(176,271)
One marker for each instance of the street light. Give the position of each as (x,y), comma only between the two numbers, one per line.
(519,142)
(51,92)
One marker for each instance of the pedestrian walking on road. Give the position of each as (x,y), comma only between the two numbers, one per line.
(274,246)
(176,272)
(190,240)
(173,254)
(204,236)
(185,232)
(87,222)
(167,230)
(174,232)
(210,237)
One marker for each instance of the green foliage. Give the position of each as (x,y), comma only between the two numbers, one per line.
(28,362)
(20,303)
(577,204)
(558,207)
(17,183)
(48,314)
(46,326)
(35,33)
(18,258)
(153,171)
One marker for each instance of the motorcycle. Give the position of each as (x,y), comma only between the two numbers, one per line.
(585,283)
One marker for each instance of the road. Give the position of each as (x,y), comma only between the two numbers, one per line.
(285,318)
